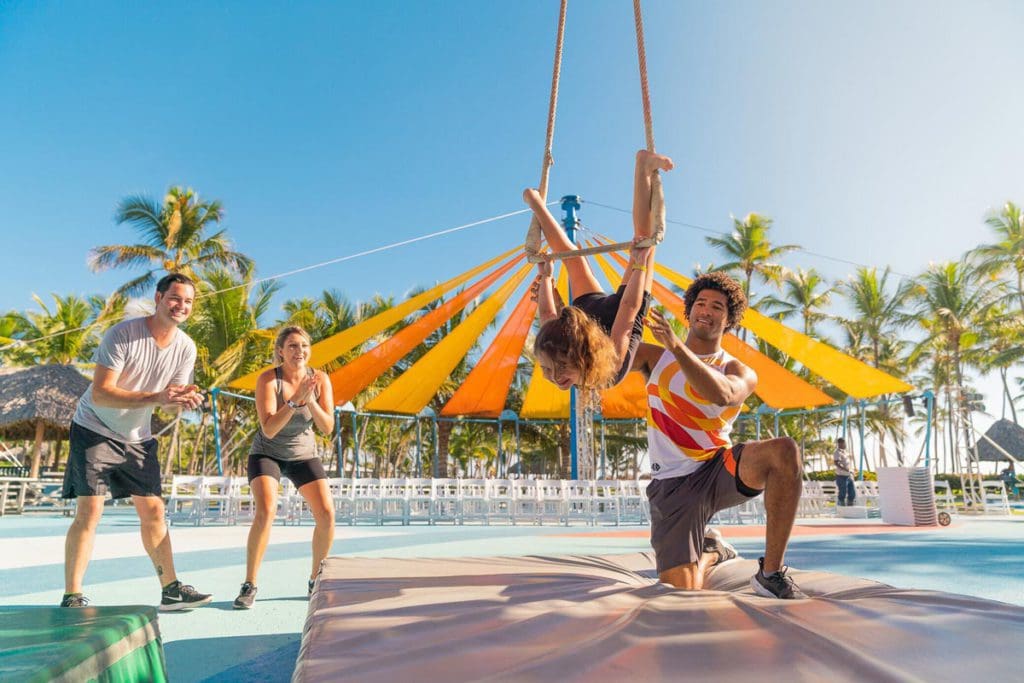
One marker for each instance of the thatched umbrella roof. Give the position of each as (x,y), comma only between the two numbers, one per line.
(46,393)
(1008,435)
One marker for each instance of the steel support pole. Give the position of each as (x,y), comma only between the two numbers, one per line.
(571,204)
(216,429)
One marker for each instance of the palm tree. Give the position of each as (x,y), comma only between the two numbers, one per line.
(173,238)
(804,293)
(68,333)
(879,316)
(1008,252)
(748,250)
(1003,348)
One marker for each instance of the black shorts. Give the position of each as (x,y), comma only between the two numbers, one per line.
(301,472)
(603,308)
(682,506)
(97,464)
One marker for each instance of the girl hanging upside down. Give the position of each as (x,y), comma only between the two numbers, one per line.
(591,344)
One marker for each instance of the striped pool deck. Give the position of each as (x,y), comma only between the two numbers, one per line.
(976,556)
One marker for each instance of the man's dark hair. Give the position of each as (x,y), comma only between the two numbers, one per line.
(174,278)
(720,282)
(840,441)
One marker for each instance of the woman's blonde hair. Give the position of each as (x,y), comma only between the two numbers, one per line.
(585,345)
(284,334)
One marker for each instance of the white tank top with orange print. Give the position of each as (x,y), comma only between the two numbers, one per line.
(683,429)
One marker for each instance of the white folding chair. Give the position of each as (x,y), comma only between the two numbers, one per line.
(632,502)
(500,501)
(579,501)
(607,502)
(184,503)
(525,501)
(366,500)
(341,494)
(216,501)
(473,500)
(419,500)
(394,501)
(444,501)
(994,497)
(551,501)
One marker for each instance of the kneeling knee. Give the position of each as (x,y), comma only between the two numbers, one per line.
(788,455)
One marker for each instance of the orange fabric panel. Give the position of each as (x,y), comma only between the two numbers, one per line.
(485,390)
(411,392)
(326,350)
(353,377)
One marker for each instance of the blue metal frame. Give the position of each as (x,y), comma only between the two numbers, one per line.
(571,204)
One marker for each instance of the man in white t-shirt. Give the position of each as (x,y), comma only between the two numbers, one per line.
(140,364)
(695,390)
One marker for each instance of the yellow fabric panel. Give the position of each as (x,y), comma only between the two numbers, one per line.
(627,399)
(416,386)
(543,399)
(485,390)
(336,345)
(850,375)
(356,375)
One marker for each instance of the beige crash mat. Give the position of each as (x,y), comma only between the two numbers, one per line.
(606,619)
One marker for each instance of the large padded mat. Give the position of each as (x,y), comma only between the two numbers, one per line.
(607,619)
(82,644)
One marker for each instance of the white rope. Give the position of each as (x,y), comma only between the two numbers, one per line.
(19,343)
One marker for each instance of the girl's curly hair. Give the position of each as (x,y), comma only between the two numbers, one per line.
(585,345)
(720,282)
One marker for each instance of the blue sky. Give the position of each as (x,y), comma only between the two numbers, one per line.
(876,133)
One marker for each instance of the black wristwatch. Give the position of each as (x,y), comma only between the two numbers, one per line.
(292,404)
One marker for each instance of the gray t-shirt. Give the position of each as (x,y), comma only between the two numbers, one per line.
(129,348)
(842,462)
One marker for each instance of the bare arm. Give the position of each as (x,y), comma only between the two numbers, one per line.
(544,293)
(646,358)
(730,388)
(321,407)
(637,284)
(106,393)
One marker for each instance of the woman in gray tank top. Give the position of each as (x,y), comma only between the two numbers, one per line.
(291,399)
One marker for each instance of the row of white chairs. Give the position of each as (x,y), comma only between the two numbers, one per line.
(820,498)
(204,500)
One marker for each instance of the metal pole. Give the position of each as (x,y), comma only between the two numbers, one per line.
(571,204)
(355,446)
(929,403)
(519,449)
(216,429)
(437,450)
(501,454)
(338,447)
(863,453)
(604,454)
(419,447)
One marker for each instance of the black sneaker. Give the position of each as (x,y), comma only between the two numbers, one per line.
(246,596)
(178,596)
(74,600)
(776,584)
(715,543)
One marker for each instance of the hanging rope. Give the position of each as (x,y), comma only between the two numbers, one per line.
(534,237)
(645,94)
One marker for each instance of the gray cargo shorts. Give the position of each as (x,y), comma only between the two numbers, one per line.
(682,506)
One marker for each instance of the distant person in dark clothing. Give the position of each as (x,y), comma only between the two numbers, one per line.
(844,475)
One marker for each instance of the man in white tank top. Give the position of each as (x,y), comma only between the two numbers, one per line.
(695,391)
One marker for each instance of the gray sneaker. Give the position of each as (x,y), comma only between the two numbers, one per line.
(776,584)
(178,596)
(715,543)
(74,600)
(246,596)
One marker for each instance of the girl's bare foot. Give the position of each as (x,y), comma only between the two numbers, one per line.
(650,162)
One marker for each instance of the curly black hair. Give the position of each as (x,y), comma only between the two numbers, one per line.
(720,282)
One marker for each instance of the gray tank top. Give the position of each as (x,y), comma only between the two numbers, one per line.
(295,441)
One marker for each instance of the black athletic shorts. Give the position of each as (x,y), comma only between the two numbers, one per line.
(97,464)
(301,472)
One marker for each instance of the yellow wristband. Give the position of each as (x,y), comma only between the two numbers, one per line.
(642,269)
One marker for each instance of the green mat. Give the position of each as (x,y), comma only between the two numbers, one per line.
(115,644)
